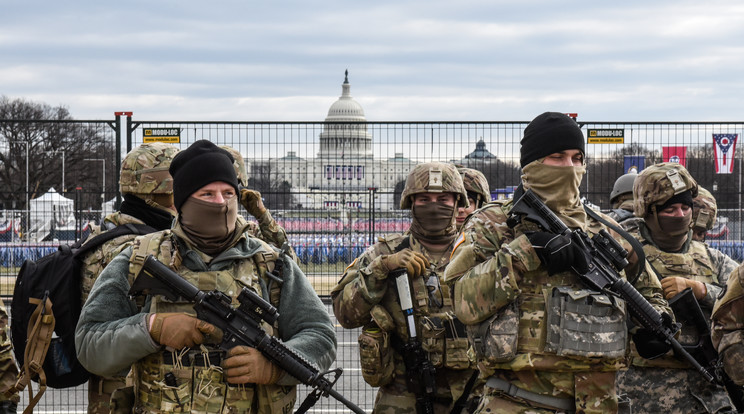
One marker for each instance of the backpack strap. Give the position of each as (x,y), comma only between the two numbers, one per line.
(40,329)
(129,228)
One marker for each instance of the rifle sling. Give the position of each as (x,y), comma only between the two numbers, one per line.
(565,404)
(460,403)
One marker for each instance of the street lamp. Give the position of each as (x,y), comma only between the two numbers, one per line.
(103,181)
(63,166)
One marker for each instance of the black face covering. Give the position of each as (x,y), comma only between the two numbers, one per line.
(157,218)
(434,222)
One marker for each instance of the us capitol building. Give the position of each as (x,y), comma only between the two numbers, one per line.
(345,169)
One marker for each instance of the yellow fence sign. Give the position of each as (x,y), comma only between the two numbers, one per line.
(167,135)
(606,136)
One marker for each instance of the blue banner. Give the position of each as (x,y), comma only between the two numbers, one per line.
(634,163)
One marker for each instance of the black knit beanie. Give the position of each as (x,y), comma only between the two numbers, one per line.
(684,197)
(198,165)
(549,133)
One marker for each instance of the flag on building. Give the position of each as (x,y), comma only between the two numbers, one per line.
(634,163)
(675,154)
(724,147)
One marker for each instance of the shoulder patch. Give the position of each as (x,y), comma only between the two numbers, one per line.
(351,265)
(460,240)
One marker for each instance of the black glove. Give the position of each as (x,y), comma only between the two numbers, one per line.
(558,253)
(648,345)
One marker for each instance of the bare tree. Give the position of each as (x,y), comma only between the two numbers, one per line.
(36,140)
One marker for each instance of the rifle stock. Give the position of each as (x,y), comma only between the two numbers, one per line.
(240,326)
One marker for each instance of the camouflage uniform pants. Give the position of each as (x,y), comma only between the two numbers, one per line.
(394,398)
(593,392)
(664,390)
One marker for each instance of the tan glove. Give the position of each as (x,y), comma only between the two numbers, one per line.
(248,365)
(251,200)
(675,285)
(414,262)
(179,330)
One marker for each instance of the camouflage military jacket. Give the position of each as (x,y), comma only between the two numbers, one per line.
(366,295)
(723,265)
(694,262)
(95,261)
(494,266)
(728,314)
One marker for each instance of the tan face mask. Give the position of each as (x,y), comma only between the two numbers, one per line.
(669,233)
(210,226)
(434,222)
(558,187)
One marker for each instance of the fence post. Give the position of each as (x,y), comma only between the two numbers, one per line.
(119,156)
(372,215)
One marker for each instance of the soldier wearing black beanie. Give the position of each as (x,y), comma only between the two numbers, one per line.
(549,133)
(198,165)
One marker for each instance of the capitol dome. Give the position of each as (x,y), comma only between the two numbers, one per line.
(342,140)
(345,108)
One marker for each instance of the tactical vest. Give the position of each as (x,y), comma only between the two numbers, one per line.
(562,326)
(191,380)
(694,264)
(441,334)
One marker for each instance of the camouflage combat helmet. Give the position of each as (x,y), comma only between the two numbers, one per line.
(474,181)
(433,177)
(144,170)
(704,209)
(623,185)
(238,164)
(658,183)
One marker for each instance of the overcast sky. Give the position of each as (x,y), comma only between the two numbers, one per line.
(408,60)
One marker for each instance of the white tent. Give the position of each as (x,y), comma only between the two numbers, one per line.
(51,210)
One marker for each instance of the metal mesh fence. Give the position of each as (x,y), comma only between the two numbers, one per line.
(334,187)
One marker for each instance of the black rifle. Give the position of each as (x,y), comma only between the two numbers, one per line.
(240,326)
(420,372)
(687,310)
(606,257)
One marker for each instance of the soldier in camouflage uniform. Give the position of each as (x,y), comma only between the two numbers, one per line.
(663,196)
(621,202)
(147,190)
(177,364)
(513,286)
(704,211)
(478,191)
(8,367)
(728,326)
(267,229)
(366,297)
